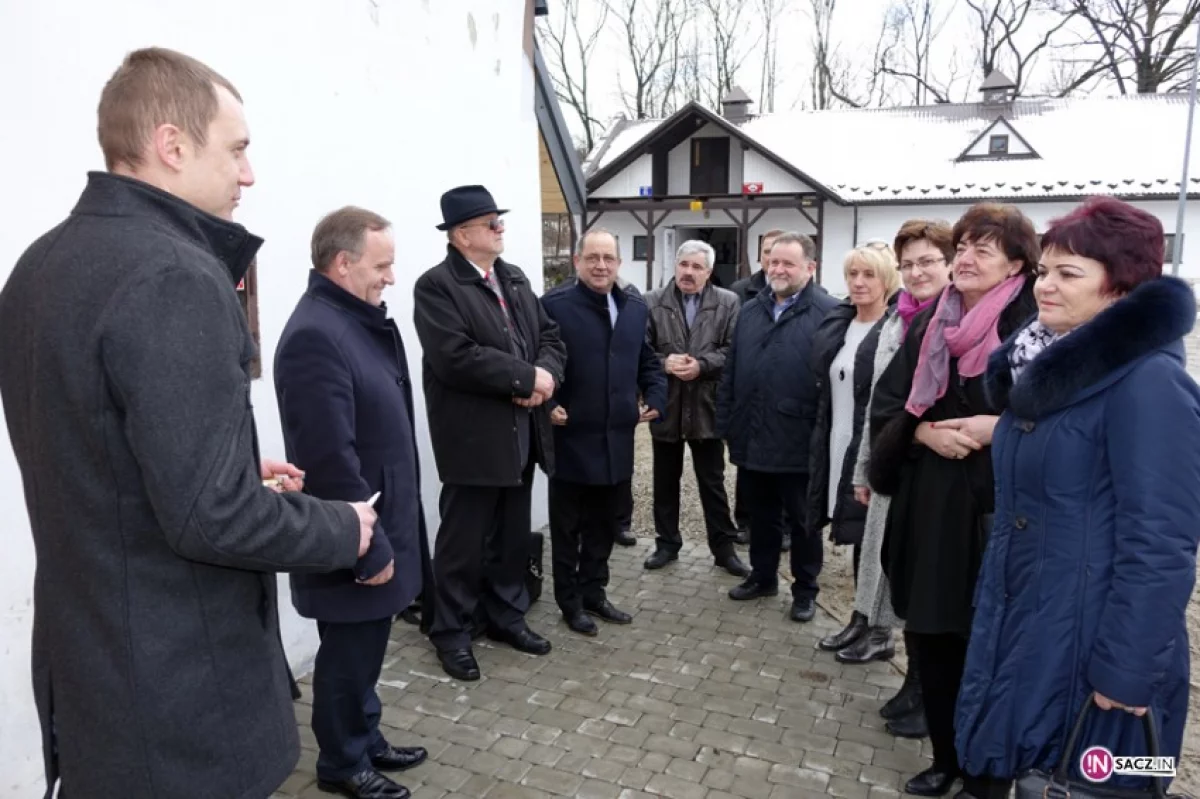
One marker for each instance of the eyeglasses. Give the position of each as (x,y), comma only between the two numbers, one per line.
(594,258)
(924,263)
(496,224)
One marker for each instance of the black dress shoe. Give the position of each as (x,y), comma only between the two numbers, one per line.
(459,664)
(803,610)
(660,558)
(733,564)
(752,588)
(399,758)
(908,698)
(581,623)
(931,782)
(851,633)
(875,645)
(366,784)
(605,610)
(911,726)
(626,539)
(523,640)
(786,544)
(743,536)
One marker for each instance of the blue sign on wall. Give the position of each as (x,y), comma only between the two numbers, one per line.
(645,191)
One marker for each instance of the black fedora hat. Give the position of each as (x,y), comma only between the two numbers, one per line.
(467,202)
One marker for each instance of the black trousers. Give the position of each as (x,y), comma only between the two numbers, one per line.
(777,500)
(583,528)
(741,500)
(708,461)
(940,661)
(480,558)
(346,709)
(625,507)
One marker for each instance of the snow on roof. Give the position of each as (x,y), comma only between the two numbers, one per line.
(1118,145)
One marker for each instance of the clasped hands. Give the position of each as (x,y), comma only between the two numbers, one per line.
(955,439)
(682,366)
(543,390)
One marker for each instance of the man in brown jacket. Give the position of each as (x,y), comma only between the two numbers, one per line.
(691,326)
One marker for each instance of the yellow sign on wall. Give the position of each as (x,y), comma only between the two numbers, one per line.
(697,205)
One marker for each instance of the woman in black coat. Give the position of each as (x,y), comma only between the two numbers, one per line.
(844,360)
(931,425)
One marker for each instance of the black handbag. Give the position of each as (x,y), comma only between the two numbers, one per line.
(534,572)
(1037,784)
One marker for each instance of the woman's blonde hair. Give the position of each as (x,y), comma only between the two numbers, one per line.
(879,256)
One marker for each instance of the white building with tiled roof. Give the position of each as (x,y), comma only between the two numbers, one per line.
(848,176)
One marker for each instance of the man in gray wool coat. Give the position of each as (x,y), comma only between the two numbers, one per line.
(158,668)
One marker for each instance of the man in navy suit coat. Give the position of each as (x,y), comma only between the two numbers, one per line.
(345,402)
(595,412)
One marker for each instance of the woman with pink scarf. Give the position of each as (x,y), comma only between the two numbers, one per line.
(931,427)
(926,254)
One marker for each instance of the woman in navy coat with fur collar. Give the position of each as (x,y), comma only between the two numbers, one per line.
(1092,559)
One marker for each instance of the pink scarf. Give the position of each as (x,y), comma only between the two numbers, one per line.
(908,308)
(971,337)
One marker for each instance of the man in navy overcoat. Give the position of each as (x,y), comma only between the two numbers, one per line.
(345,402)
(595,413)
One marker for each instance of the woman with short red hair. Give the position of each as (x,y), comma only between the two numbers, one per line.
(1084,586)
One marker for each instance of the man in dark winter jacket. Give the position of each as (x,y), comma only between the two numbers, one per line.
(747,289)
(625,535)
(691,327)
(492,357)
(345,401)
(595,413)
(158,668)
(765,410)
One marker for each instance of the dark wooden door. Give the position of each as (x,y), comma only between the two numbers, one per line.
(710,166)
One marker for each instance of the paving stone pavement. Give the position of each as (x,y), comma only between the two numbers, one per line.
(700,698)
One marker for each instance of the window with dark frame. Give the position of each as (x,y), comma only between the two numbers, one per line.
(1168,248)
(640,245)
(998,144)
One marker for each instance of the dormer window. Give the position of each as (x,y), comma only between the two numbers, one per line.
(998,145)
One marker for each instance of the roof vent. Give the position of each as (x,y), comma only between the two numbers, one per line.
(735,106)
(998,89)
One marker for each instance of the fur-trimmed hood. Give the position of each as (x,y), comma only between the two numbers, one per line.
(1153,317)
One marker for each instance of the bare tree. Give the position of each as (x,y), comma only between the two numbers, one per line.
(827,67)
(569,44)
(1001,44)
(652,30)
(1142,46)
(770,13)
(729,26)
(913,25)
(692,68)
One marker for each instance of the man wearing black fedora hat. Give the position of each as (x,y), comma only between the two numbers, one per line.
(492,357)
